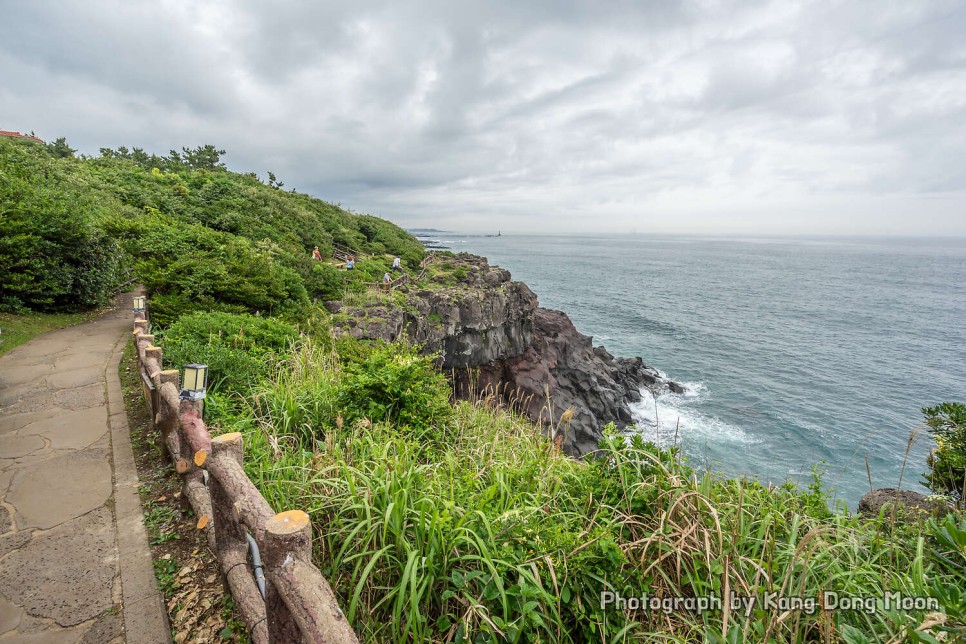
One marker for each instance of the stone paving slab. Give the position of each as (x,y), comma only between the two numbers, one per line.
(74,560)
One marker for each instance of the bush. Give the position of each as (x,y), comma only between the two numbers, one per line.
(325,282)
(53,255)
(188,267)
(947,424)
(394,383)
(240,350)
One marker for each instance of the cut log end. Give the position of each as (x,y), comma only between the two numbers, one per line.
(230,437)
(203,522)
(288,522)
(182,466)
(200,457)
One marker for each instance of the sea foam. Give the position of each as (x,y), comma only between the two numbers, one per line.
(669,417)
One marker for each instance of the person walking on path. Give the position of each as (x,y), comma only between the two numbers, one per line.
(316,255)
(74,558)
(396,265)
(350,263)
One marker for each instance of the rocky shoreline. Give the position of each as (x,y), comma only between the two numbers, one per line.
(492,336)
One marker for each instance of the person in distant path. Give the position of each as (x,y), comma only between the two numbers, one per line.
(316,254)
(396,265)
(350,263)
(387,280)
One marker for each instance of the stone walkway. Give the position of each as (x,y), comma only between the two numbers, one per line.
(74,559)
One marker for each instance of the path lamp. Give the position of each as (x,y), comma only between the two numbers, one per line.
(194,381)
(140,303)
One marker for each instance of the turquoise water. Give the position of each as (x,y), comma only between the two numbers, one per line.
(794,351)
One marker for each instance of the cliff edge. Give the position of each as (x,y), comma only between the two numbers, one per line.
(491,336)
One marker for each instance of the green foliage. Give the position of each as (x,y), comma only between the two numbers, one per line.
(480,530)
(325,282)
(189,267)
(60,149)
(53,254)
(947,424)
(394,383)
(200,237)
(240,350)
(165,571)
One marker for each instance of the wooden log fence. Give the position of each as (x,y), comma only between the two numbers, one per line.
(299,606)
(342,253)
(391,285)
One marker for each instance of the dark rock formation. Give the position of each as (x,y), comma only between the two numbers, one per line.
(491,336)
(907,501)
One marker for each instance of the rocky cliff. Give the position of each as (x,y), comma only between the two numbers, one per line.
(491,335)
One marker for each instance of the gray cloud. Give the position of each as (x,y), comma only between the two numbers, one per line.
(699,116)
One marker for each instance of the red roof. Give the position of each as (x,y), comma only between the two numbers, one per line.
(19,135)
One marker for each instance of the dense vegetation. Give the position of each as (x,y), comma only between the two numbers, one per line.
(947,463)
(198,236)
(444,522)
(439,521)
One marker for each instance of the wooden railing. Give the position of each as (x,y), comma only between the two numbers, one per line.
(391,285)
(429,259)
(403,279)
(299,605)
(342,253)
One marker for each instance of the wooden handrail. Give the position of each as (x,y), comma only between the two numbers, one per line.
(299,605)
(343,252)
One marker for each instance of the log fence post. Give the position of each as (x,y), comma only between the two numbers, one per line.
(288,534)
(298,591)
(164,418)
(231,543)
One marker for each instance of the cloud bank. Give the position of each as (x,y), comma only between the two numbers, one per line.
(695,117)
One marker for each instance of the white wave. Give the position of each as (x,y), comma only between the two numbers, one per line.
(668,418)
(693,389)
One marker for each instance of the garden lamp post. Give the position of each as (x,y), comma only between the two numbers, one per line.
(194,381)
(140,303)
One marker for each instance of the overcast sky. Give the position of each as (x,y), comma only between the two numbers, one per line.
(701,117)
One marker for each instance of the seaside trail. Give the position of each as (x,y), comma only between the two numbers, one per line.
(74,559)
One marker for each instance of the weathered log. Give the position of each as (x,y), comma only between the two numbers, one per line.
(231,543)
(247,502)
(141,324)
(167,418)
(152,361)
(196,493)
(298,585)
(194,435)
(245,593)
(295,533)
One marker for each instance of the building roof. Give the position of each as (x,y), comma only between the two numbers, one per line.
(18,135)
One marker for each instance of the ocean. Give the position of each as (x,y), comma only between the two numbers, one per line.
(795,352)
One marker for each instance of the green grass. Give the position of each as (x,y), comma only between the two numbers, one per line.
(17,329)
(477,529)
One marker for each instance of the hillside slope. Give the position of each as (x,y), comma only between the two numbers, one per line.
(196,234)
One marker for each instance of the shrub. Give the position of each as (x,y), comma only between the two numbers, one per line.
(393,383)
(239,349)
(53,255)
(947,424)
(188,267)
(325,282)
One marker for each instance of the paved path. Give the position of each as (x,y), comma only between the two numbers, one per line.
(74,559)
